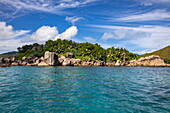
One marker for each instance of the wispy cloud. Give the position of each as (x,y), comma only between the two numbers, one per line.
(151,2)
(89,39)
(73,19)
(50,6)
(146,36)
(158,14)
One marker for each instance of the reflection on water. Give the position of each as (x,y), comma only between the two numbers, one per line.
(85,89)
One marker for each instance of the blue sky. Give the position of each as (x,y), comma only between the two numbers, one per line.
(139,25)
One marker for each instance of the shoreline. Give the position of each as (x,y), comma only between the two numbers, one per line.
(52,59)
(168,65)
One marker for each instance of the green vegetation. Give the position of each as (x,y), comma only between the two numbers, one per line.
(84,51)
(163,53)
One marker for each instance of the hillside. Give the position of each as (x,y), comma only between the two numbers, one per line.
(164,53)
(9,54)
(84,51)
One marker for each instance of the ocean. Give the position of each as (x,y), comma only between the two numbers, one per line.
(26,89)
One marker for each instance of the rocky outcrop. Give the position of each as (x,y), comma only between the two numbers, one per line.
(43,64)
(99,63)
(2,60)
(66,62)
(76,62)
(4,65)
(153,60)
(118,63)
(61,59)
(110,64)
(69,55)
(51,58)
(15,64)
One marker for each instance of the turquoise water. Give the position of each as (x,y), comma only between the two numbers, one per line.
(84,90)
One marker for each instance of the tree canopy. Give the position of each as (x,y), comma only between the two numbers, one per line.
(84,51)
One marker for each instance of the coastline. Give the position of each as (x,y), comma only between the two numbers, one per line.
(52,59)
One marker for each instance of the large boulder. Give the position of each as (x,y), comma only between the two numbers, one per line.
(2,60)
(66,62)
(110,64)
(99,63)
(61,59)
(51,58)
(43,64)
(69,55)
(88,63)
(24,58)
(75,62)
(152,60)
(15,64)
(24,63)
(7,60)
(118,63)
(13,59)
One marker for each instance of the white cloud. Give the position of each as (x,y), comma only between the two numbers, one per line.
(73,19)
(108,36)
(69,33)
(116,34)
(148,36)
(150,16)
(143,51)
(7,31)
(90,39)
(45,33)
(121,33)
(11,45)
(10,39)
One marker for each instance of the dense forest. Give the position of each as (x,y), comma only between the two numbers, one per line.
(84,51)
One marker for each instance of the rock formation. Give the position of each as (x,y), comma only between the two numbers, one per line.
(153,60)
(69,55)
(51,58)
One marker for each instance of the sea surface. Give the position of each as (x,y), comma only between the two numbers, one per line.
(84,90)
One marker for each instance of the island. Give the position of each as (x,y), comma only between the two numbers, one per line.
(69,53)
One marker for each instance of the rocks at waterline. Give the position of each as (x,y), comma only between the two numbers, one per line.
(2,60)
(43,64)
(153,60)
(51,59)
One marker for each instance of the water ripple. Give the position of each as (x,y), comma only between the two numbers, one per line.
(85,89)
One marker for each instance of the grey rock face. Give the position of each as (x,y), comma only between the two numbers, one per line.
(51,58)
(66,62)
(2,60)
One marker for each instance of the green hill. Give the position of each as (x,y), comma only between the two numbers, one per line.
(164,53)
(9,54)
(84,51)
